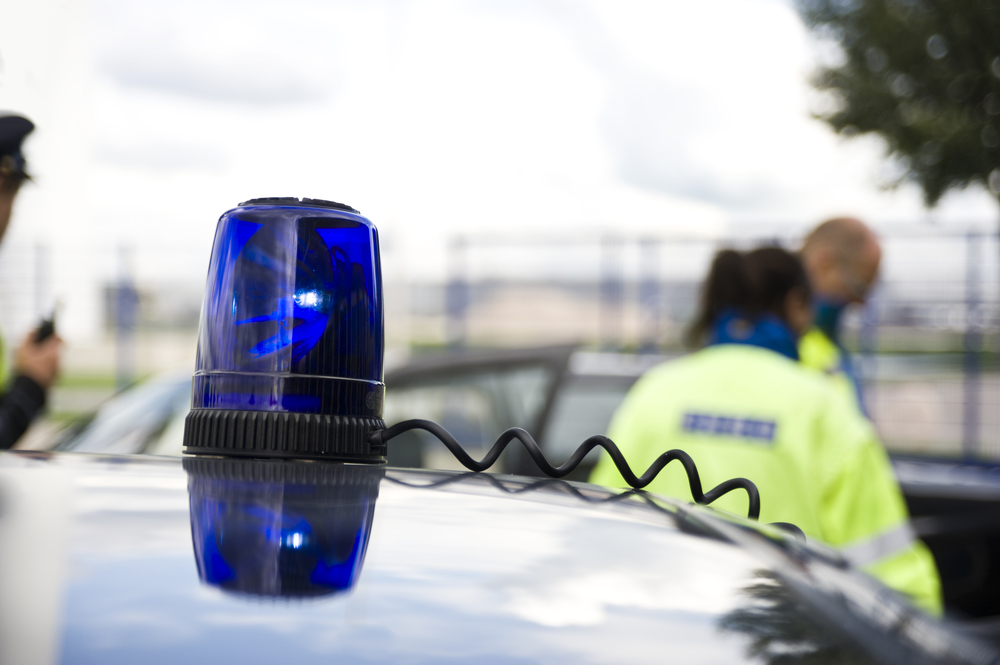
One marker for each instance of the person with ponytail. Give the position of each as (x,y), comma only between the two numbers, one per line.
(743,406)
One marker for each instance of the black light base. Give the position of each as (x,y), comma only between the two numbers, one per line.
(279,434)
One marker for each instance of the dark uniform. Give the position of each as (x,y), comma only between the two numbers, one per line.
(24,397)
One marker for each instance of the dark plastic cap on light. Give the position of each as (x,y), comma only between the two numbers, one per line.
(291,340)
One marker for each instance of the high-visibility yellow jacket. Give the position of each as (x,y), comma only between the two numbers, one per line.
(4,366)
(817,351)
(745,411)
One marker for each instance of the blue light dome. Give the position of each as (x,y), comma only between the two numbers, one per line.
(291,341)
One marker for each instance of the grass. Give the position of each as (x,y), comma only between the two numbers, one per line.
(91,381)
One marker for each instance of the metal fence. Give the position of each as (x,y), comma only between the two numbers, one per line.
(134,301)
(925,344)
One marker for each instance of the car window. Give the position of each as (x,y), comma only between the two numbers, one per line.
(583,407)
(525,390)
(475,406)
(470,408)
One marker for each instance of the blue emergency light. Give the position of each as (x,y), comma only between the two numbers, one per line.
(291,340)
(290,352)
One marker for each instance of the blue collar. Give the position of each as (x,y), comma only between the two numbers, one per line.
(767,332)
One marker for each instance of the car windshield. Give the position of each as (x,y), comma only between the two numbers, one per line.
(138,420)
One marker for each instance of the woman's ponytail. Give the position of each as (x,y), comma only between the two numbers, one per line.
(750,284)
(729,285)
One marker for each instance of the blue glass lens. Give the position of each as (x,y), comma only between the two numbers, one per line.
(293,318)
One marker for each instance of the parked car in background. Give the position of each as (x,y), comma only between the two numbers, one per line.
(562,395)
(147,419)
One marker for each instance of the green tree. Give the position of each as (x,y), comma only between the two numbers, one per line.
(922,74)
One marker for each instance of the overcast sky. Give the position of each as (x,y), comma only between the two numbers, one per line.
(433,117)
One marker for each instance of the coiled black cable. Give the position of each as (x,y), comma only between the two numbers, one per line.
(562,485)
(381,437)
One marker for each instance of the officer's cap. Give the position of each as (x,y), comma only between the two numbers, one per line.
(13,129)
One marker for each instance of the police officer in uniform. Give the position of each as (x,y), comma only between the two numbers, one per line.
(841,257)
(743,406)
(36,362)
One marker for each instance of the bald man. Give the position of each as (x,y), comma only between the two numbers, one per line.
(36,362)
(842,257)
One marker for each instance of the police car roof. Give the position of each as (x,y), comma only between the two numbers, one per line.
(98,566)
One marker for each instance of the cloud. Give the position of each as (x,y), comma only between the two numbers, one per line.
(164,157)
(654,130)
(249,54)
(656,125)
(251,79)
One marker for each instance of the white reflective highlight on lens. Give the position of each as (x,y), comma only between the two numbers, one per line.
(310,299)
(294,540)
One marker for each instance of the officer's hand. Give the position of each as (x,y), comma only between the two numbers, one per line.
(39,362)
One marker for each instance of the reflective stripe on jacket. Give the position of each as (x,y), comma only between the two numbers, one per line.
(744,411)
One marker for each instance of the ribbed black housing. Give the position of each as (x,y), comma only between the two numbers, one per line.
(282,434)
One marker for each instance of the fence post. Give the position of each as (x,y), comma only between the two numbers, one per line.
(456,294)
(867,368)
(972,344)
(126,318)
(650,299)
(611,291)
